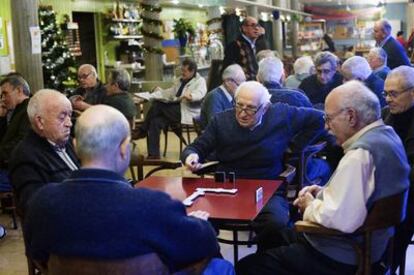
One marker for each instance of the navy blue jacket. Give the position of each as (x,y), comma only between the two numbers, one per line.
(286,95)
(214,102)
(97,214)
(397,55)
(376,84)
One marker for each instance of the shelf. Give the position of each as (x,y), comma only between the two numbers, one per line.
(127,20)
(128,36)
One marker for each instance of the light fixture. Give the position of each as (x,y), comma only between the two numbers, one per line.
(175,2)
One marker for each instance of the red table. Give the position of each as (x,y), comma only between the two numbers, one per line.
(240,208)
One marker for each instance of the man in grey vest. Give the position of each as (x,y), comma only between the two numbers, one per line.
(374,166)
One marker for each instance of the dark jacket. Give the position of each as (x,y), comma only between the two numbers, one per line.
(397,55)
(376,84)
(214,102)
(286,95)
(94,96)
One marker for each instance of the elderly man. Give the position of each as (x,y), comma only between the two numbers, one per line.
(357,68)
(374,157)
(91,91)
(118,96)
(303,67)
(397,55)
(120,222)
(377,59)
(319,85)
(270,74)
(399,94)
(243,50)
(178,104)
(251,140)
(45,154)
(222,97)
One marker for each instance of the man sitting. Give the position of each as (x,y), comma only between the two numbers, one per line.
(377,59)
(178,104)
(270,74)
(374,158)
(252,139)
(45,154)
(319,85)
(222,97)
(96,214)
(357,68)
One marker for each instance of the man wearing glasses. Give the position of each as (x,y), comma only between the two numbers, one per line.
(319,85)
(91,90)
(251,140)
(399,94)
(222,97)
(243,50)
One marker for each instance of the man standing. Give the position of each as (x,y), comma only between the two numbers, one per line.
(251,140)
(91,91)
(399,94)
(374,158)
(397,55)
(45,154)
(222,97)
(121,221)
(377,59)
(357,68)
(319,85)
(243,50)
(178,104)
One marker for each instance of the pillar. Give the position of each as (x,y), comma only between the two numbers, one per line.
(295,29)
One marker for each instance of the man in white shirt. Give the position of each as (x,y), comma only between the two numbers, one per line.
(374,166)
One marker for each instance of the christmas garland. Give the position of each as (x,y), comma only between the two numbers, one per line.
(151,21)
(153,35)
(153,50)
(151,8)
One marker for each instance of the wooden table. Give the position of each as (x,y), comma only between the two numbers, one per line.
(235,210)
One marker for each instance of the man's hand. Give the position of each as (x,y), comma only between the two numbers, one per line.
(313,190)
(200,214)
(187,95)
(191,162)
(303,201)
(78,103)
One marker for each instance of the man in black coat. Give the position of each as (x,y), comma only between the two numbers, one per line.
(397,55)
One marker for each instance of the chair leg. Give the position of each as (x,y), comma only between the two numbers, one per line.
(165,141)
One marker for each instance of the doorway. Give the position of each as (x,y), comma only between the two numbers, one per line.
(86,24)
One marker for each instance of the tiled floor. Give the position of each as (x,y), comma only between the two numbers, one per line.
(13,261)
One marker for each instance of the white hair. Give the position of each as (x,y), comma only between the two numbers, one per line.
(256,88)
(405,76)
(234,71)
(90,67)
(356,67)
(270,70)
(303,65)
(379,53)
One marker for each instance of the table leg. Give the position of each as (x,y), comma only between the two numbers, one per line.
(235,246)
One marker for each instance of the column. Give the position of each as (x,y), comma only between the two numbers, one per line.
(24,16)
(252,10)
(295,29)
(277,30)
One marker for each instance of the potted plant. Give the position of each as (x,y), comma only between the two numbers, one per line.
(182,30)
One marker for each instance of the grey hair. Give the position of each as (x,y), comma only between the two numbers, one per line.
(379,53)
(357,67)
(324,57)
(256,88)
(405,76)
(303,65)
(90,67)
(99,139)
(385,26)
(357,96)
(120,77)
(263,54)
(39,100)
(270,70)
(17,81)
(234,71)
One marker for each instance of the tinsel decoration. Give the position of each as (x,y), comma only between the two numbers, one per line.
(148,8)
(151,21)
(58,63)
(153,50)
(151,8)
(152,35)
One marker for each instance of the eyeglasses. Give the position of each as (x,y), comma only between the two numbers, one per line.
(328,118)
(323,71)
(395,94)
(233,81)
(84,76)
(253,25)
(251,111)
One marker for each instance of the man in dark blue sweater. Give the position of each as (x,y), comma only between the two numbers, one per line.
(252,139)
(96,214)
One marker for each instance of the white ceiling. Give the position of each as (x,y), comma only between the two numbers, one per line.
(351,2)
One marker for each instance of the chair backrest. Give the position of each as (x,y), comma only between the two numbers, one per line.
(144,264)
(157,165)
(197,125)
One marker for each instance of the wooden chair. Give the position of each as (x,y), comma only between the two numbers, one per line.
(197,125)
(384,213)
(182,131)
(10,206)
(157,165)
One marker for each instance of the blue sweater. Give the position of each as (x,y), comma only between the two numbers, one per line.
(391,177)
(214,102)
(97,214)
(257,153)
(286,95)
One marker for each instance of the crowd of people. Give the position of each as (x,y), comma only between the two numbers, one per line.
(65,157)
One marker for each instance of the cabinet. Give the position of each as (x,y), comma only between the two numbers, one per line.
(310,36)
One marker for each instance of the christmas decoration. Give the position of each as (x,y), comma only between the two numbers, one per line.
(150,19)
(59,69)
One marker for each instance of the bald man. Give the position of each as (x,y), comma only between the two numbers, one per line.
(45,154)
(251,139)
(120,221)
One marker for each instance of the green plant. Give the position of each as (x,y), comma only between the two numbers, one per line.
(182,27)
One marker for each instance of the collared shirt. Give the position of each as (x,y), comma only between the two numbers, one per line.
(382,43)
(251,43)
(379,68)
(227,94)
(61,151)
(343,206)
